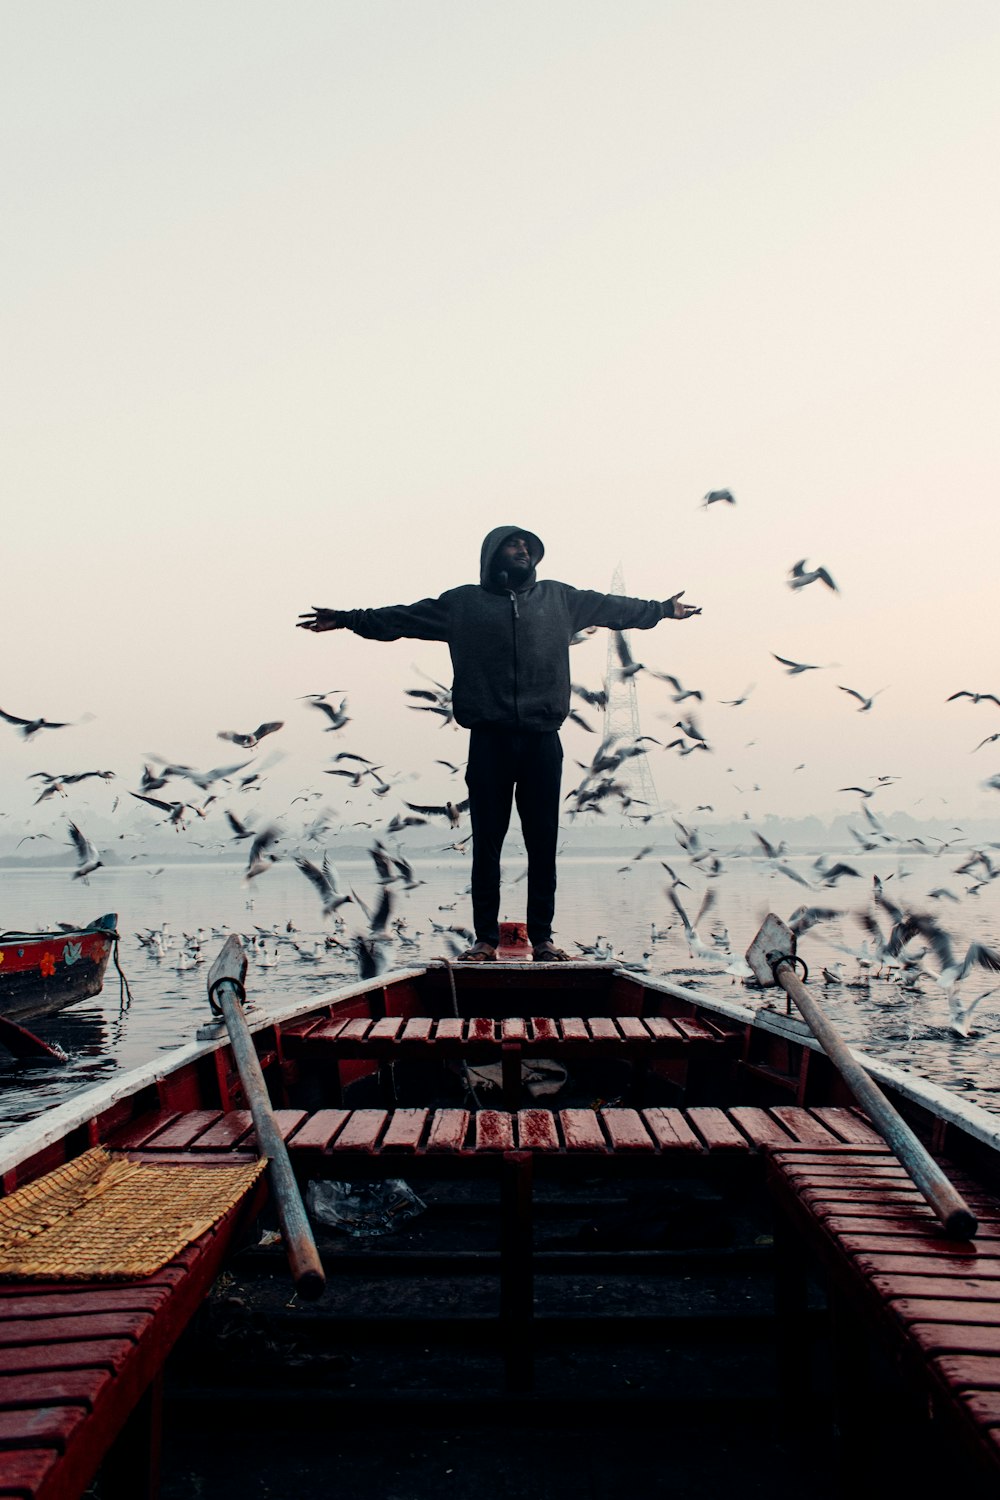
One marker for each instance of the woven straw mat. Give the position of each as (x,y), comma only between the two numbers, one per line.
(103,1216)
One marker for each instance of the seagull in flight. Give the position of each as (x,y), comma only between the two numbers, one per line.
(28,727)
(337,716)
(324,878)
(87,855)
(976,698)
(714,496)
(987,741)
(866,703)
(248,741)
(737,702)
(451,810)
(800,576)
(794,667)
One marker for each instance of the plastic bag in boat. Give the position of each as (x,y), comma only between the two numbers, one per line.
(361,1209)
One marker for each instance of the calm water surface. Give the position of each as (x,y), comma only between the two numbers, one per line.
(597,896)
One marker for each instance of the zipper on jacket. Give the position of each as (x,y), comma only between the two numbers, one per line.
(513,626)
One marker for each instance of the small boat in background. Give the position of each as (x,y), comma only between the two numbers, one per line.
(43,972)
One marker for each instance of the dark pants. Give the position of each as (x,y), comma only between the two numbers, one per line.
(526,766)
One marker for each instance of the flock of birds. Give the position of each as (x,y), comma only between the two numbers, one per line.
(909,947)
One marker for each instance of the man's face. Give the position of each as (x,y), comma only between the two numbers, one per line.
(513,558)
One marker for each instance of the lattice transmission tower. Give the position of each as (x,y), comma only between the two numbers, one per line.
(621,718)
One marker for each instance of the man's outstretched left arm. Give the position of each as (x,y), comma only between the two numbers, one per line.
(618,612)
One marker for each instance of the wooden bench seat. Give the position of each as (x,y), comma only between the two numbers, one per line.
(80,1362)
(936,1301)
(484,1036)
(343,1136)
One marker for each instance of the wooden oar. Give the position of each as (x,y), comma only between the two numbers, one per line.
(23,1043)
(771,956)
(225,989)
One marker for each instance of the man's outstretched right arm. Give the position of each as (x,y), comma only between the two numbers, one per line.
(427,620)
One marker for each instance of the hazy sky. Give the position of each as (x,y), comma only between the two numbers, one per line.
(300,300)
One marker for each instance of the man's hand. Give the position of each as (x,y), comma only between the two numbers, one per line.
(675,610)
(318,619)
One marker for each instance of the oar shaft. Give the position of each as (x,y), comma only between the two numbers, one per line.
(947,1203)
(303,1257)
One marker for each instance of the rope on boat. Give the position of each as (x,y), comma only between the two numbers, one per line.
(124,993)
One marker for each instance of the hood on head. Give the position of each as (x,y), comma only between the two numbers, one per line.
(495,540)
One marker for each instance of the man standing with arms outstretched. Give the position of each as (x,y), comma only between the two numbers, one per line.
(509,638)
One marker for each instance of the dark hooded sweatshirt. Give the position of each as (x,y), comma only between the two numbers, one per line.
(509,647)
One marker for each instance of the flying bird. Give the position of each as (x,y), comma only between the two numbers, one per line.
(794,667)
(260,858)
(451,810)
(86,853)
(866,703)
(248,741)
(976,698)
(800,576)
(337,716)
(28,727)
(737,702)
(324,878)
(714,496)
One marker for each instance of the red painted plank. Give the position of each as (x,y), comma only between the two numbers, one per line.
(694,1031)
(536,1130)
(975,1371)
(417,1029)
(582,1130)
(544,1029)
(185,1129)
(450,1029)
(662,1029)
(21,1301)
(574,1029)
(405,1129)
(494,1131)
(759,1126)
(138,1132)
(908,1244)
(319,1130)
(226,1133)
(716,1129)
(931,1265)
(18,1332)
(386,1030)
(671,1131)
(983,1407)
(23,1470)
(626,1130)
(328,1031)
(802,1126)
(910,1221)
(603,1029)
(957,1338)
(482,1029)
(448,1130)
(40,1427)
(634,1029)
(361,1131)
(356,1029)
(966,1287)
(62,1387)
(110,1353)
(514,1029)
(848,1126)
(931,1310)
(287,1121)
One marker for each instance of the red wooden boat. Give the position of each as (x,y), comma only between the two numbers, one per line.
(662,1251)
(43,972)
